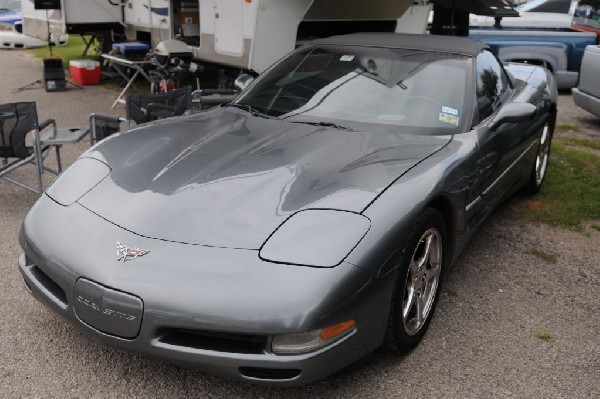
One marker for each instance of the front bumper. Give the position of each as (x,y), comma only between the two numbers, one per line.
(586,101)
(188,293)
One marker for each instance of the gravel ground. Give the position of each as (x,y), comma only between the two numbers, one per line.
(514,281)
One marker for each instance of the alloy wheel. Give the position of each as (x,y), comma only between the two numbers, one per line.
(422,281)
(541,161)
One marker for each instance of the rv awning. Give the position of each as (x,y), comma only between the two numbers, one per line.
(492,8)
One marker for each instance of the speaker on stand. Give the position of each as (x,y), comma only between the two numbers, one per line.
(54,74)
(46,4)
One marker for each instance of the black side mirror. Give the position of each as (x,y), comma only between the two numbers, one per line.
(514,113)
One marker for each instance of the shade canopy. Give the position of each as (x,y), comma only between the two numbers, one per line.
(493,8)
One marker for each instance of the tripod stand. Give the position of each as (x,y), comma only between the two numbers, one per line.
(54,74)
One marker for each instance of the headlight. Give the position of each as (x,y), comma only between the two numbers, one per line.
(296,343)
(5,26)
(83,175)
(315,237)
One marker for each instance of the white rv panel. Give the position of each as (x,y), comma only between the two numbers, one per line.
(414,19)
(276,28)
(34,21)
(137,12)
(228,27)
(152,16)
(72,13)
(91,11)
(356,9)
(207,17)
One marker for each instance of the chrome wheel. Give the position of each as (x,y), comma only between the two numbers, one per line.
(541,161)
(422,281)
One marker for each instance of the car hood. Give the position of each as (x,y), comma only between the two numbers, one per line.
(227,179)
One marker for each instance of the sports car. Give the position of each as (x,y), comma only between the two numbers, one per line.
(282,236)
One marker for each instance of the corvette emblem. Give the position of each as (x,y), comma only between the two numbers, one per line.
(128,252)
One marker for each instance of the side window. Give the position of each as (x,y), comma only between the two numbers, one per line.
(492,83)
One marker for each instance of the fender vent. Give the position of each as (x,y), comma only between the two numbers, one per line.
(49,284)
(214,341)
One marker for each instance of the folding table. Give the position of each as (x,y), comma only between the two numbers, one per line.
(121,64)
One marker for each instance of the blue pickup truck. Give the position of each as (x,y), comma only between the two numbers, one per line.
(559,50)
(587,94)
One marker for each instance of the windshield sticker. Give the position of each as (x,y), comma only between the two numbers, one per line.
(448,118)
(346,58)
(450,110)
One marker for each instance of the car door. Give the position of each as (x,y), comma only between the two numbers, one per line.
(502,148)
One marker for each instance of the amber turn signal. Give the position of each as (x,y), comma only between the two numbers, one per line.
(335,330)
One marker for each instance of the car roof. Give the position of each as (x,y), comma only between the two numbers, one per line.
(436,43)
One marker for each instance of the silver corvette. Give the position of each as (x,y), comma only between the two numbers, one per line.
(285,235)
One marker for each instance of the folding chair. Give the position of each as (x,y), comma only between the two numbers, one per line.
(17,120)
(102,126)
(142,108)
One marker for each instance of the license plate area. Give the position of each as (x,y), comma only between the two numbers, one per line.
(108,310)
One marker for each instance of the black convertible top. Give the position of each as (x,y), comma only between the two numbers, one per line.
(437,43)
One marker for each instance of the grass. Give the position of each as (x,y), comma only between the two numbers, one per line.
(545,336)
(565,127)
(72,51)
(583,143)
(571,193)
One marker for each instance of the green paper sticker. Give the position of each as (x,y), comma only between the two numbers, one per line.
(448,118)
(346,58)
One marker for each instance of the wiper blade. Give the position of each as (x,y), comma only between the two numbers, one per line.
(324,124)
(253,111)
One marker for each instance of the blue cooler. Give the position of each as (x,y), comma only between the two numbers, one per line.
(134,51)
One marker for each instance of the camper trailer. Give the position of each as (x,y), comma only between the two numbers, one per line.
(252,34)
(240,34)
(71,16)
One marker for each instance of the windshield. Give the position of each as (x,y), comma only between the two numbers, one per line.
(364,88)
(10,5)
(587,12)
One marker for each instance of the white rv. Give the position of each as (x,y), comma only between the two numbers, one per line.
(242,34)
(74,16)
(252,34)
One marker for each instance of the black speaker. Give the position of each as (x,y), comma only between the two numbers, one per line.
(449,21)
(54,75)
(46,4)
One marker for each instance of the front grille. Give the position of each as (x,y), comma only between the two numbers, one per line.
(49,284)
(262,373)
(214,341)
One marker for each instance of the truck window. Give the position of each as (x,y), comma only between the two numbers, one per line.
(492,84)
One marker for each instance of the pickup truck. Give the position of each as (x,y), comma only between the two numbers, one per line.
(559,50)
(587,94)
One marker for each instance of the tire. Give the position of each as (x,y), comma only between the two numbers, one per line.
(418,283)
(154,88)
(540,167)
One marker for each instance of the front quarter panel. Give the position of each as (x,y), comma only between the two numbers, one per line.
(443,179)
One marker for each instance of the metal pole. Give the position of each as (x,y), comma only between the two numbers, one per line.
(48,25)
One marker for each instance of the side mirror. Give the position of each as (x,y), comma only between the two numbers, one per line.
(242,81)
(514,113)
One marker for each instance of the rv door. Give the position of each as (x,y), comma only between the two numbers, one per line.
(228,27)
